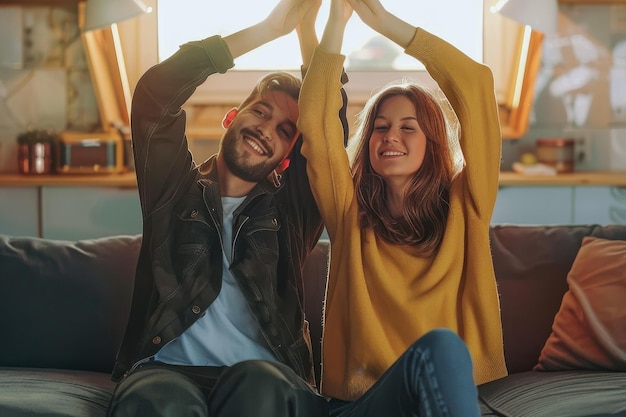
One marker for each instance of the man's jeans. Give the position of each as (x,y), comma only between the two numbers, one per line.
(432,378)
(250,388)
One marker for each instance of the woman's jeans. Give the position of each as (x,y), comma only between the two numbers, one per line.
(432,378)
(250,388)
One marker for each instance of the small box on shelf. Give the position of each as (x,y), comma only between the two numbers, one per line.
(37,151)
(91,153)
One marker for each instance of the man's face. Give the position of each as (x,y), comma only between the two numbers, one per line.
(260,136)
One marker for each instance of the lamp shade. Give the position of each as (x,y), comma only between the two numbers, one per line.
(103,13)
(541,15)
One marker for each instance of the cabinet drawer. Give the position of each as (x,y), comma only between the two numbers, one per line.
(18,211)
(533,205)
(600,205)
(74,213)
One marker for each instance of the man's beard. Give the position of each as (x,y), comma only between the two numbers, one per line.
(237,163)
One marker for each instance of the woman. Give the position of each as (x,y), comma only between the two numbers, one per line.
(410,265)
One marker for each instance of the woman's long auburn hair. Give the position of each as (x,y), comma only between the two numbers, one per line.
(426,200)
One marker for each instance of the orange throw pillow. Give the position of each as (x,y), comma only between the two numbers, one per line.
(589,330)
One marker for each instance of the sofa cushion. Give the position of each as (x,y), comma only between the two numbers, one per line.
(531,265)
(65,304)
(589,330)
(551,394)
(47,393)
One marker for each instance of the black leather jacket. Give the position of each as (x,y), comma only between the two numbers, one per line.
(179,272)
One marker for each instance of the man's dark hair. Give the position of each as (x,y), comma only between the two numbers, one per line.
(275,81)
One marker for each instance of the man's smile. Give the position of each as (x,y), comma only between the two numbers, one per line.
(256,143)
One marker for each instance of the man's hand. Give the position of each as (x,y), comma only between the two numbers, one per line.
(280,21)
(287,14)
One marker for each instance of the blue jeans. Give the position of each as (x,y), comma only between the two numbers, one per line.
(432,378)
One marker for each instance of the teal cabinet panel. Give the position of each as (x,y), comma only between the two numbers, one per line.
(533,205)
(19,209)
(74,213)
(600,205)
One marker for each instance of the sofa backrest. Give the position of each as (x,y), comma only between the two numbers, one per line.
(531,265)
(65,304)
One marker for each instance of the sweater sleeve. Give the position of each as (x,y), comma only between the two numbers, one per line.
(327,162)
(469,87)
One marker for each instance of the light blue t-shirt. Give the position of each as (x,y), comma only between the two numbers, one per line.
(227,332)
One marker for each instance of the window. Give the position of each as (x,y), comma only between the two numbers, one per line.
(371,59)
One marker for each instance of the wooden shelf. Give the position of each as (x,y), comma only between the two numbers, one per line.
(40,2)
(591,1)
(126,180)
(600,178)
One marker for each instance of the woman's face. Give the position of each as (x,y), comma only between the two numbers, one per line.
(397,145)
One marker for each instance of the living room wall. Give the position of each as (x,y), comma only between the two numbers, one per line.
(581,87)
(44,79)
(45,82)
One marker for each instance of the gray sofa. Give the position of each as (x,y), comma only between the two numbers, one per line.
(63,307)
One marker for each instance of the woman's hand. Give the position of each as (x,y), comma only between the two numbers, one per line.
(340,13)
(373,14)
(308,14)
(306,31)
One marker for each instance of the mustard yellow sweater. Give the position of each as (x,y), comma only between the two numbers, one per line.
(381,297)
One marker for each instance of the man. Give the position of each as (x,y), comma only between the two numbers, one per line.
(217,325)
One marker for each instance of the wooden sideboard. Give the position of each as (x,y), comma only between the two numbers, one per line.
(69,206)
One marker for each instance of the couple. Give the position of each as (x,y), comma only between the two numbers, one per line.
(411,321)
